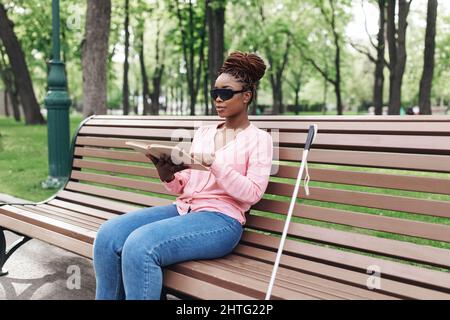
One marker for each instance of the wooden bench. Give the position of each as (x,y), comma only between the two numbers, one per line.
(375,226)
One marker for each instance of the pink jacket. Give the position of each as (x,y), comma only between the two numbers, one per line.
(237,179)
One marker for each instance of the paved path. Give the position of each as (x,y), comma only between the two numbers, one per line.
(38,270)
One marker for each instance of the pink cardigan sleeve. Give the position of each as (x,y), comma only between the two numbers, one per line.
(251,187)
(181,179)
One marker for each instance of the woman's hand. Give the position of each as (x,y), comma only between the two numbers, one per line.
(165,167)
(204,158)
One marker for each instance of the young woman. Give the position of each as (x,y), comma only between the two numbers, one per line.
(206,220)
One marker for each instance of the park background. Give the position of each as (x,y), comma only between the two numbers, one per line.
(161,57)
(324,57)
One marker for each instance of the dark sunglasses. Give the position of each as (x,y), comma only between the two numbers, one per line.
(224,94)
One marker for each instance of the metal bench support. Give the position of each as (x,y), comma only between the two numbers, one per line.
(6,253)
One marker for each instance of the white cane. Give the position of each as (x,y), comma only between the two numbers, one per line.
(312,133)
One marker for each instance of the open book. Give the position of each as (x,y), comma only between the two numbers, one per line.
(176,154)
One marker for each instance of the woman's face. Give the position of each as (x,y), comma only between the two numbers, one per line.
(238,102)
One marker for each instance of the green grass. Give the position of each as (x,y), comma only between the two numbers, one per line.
(24,158)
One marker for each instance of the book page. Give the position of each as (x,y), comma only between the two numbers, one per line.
(176,154)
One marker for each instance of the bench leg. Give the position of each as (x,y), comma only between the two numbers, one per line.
(163,294)
(6,253)
(2,252)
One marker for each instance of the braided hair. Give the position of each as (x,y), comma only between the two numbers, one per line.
(247,68)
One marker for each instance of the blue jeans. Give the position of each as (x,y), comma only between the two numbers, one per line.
(130,250)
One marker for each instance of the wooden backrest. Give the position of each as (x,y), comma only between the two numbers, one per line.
(379,186)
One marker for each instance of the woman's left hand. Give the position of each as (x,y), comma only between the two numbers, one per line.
(205,158)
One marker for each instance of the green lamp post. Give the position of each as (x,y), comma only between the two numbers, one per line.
(57,103)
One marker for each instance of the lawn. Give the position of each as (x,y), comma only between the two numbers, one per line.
(24,158)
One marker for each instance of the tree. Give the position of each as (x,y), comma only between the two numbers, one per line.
(158,71)
(95,57)
(125,87)
(396,35)
(11,94)
(428,59)
(19,68)
(140,48)
(379,60)
(192,20)
(215,16)
(278,33)
(332,37)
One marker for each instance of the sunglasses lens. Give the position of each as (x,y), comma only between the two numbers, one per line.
(224,94)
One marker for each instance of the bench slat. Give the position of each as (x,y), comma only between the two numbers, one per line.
(229,280)
(119,181)
(114,142)
(417,162)
(257,267)
(200,289)
(95,202)
(61,217)
(395,270)
(402,290)
(263,270)
(99,214)
(406,227)
(116,168)
(94,221)
(384,127)
(412,143)
(388,247)
(365,199)
(44,234)
(328,118)
(370,179)
(118,195)
(282,281)
(68,229)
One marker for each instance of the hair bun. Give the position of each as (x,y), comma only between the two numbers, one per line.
(247,67)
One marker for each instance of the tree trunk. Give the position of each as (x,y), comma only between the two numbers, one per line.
(216,21)
(276,95)
(379,63)
(6,103)
(125,88)
(206,90)
(95,57)
(297,99)
(20,70)
(337,65)
(397,51)
(157,76)
(276,79)
(188,46)
(325,93)
(428,59)
(145,89)
(156,80)
(296,86)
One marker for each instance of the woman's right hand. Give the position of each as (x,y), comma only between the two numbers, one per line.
(165,167)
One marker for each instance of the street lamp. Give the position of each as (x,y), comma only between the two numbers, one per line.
(57,103)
